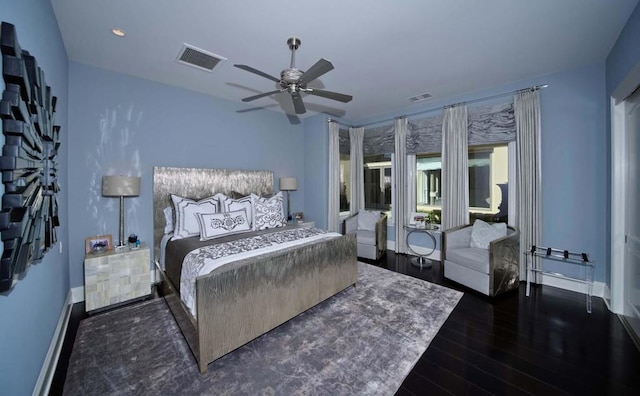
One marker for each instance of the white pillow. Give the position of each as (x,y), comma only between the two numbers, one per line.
(268,212)
(214,225)
(367,220)
(168,219)
(186,211)
(482,233)
(229,205)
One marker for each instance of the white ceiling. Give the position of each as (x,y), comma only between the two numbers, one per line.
(384,51)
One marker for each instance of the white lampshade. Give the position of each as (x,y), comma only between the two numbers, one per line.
(288,184)
(120,186)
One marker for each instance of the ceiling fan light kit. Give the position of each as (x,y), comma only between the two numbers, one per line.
(294,81)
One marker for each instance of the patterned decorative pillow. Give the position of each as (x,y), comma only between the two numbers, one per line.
(230,204)
(268,212)
(214,225)
(168,219)
(186,210)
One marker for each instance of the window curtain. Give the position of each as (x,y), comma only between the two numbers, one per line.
(400,177)
(411,196)
(455,173)
(512,200)
(333,221)
(356,136)
(529,185)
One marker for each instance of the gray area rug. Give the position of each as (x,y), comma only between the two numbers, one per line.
(363,341)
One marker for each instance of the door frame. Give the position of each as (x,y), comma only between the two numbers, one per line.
(619,160)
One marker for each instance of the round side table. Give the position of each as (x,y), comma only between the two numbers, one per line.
(421,260)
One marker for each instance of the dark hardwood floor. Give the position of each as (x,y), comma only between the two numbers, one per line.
(543,344)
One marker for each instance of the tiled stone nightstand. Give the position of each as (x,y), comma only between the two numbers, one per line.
(114,277)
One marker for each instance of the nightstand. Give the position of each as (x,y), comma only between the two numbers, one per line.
(307,224)
(114,277)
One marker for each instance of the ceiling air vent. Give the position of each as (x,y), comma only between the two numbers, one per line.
(199,58)
(419,98)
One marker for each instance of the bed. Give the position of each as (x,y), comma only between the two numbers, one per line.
(245,298)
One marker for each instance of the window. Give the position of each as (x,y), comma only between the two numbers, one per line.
(345,184)
(429,185)
(378,182)
(488,183)
(429,171)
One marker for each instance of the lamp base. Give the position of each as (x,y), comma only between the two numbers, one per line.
(288,208)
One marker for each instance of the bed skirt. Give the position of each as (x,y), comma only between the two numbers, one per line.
(245,299)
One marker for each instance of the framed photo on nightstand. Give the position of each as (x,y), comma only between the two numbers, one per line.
(99,243)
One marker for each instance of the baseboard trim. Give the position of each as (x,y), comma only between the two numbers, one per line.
(43,384)
(607,297)
(573,285)
(78,294)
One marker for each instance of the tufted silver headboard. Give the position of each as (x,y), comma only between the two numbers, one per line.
(198,183)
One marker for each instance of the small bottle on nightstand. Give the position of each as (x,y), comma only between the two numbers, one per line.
(134,242)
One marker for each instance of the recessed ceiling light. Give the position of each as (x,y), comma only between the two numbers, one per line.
(118,32)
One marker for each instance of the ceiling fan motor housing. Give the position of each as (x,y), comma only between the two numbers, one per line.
(290,76)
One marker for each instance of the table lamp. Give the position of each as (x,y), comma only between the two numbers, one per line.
(121,186)
(288,184)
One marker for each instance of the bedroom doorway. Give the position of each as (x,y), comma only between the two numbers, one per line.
(625,203)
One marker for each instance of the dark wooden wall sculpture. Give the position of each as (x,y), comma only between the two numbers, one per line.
(28,163)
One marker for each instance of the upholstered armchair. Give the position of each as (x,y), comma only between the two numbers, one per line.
(371,230)
(479,260)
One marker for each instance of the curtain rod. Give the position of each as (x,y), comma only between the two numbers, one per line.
(533,88)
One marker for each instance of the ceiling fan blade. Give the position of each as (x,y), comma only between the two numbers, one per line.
(298,105)
(250,98)
(319,68)
(258,72)
(329,95)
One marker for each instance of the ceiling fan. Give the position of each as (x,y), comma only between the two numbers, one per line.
(295,81)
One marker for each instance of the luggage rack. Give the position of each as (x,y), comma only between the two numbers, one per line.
(564,256)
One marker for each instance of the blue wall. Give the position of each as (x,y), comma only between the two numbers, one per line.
(127,125)
(30,312)
(316,169)
(625,53)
